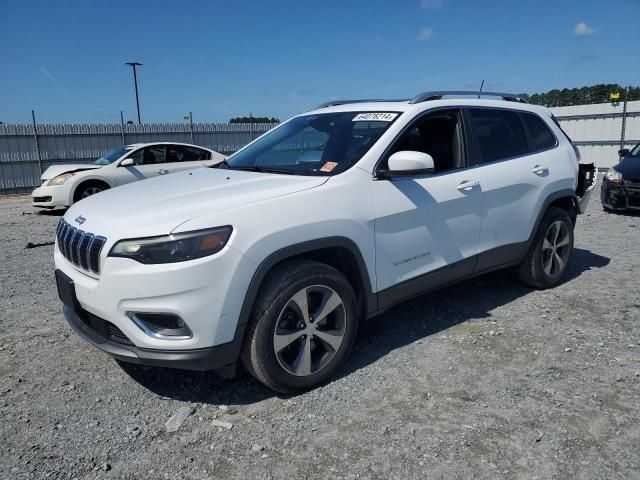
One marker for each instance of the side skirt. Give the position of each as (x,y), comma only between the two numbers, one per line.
(494,259)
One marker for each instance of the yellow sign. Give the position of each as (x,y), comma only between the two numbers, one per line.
(614,96)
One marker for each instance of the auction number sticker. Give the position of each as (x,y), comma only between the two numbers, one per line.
(375,117)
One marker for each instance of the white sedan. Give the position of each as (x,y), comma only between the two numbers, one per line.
(63,185)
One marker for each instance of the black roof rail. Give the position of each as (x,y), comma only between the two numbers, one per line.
(333,103)
(437,95)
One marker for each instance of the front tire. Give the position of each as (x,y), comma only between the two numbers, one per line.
(88,190)
(303,325)
(549,254)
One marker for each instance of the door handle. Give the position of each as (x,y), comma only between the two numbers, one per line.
(163,171)
(467,185)
(538,169)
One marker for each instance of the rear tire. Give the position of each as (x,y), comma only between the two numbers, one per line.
(302,327)
(550,252)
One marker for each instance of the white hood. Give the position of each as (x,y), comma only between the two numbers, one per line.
(55,170)
(158,205)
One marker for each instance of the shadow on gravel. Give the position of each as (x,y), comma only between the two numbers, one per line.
(52,213)
(198,387)
(400,326)
(430,314)
(624,213)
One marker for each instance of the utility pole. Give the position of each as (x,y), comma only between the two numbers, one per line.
(37,140)
(135,83)
(624,118)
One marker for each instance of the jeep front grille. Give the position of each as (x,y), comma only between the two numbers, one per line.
(79,247)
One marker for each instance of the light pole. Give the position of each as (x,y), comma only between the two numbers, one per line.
(135,82)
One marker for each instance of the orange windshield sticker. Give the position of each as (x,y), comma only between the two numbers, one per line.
(327,167)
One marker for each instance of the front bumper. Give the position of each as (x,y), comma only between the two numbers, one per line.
(221,358)
(207,294)
(50,197)
(620,196)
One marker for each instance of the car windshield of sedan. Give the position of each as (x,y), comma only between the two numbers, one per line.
(320,144)
(112,156)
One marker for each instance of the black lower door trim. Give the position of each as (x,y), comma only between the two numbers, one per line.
(494,259)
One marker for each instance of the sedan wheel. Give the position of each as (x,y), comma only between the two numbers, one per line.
(87,192)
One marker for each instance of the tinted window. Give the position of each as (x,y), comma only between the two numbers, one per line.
(148,155)
(438,134)
(499,134)
(179,153)
(540,133)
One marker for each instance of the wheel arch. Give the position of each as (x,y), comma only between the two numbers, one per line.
(565,199)
(340,253)
(85,182)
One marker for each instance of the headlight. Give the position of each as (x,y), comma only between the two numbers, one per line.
(60,179)
(614,176)
(173,248)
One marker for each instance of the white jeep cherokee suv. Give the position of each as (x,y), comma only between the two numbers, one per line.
(275,256)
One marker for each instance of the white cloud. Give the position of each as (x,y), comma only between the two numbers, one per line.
(425,34)
(428,4)
(583,30)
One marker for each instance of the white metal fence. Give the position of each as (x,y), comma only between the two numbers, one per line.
(598,129)
(27,150)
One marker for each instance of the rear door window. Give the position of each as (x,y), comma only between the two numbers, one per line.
(499,134)
(539,132)
(180,153)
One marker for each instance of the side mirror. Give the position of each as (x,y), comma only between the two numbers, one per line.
(623,152)
(409,163)
(127,162)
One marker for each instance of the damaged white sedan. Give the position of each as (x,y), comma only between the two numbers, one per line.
(63,185)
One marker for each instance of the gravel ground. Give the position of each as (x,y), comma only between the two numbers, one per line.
(485,379)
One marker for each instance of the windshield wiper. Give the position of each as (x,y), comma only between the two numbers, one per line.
(255,168)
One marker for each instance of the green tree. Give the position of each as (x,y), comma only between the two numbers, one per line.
(252,119)
(583,96)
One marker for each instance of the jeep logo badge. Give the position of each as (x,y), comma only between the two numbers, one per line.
(81,220)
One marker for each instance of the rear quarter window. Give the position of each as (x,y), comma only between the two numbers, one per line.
(539,132)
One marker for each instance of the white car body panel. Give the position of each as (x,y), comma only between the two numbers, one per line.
(436,223)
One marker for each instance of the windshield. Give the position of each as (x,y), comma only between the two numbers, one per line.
(322,144)
(112,156)
(636,151)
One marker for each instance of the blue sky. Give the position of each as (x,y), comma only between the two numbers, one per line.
(219,59)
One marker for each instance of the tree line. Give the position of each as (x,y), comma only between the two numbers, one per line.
(253,119)
(583,95)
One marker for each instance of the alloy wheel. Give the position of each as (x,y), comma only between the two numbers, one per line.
(556,249)
(90,191)
(310,330)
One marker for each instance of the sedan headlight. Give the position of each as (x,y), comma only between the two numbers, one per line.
(614,176)
(60,179)
(179,247)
